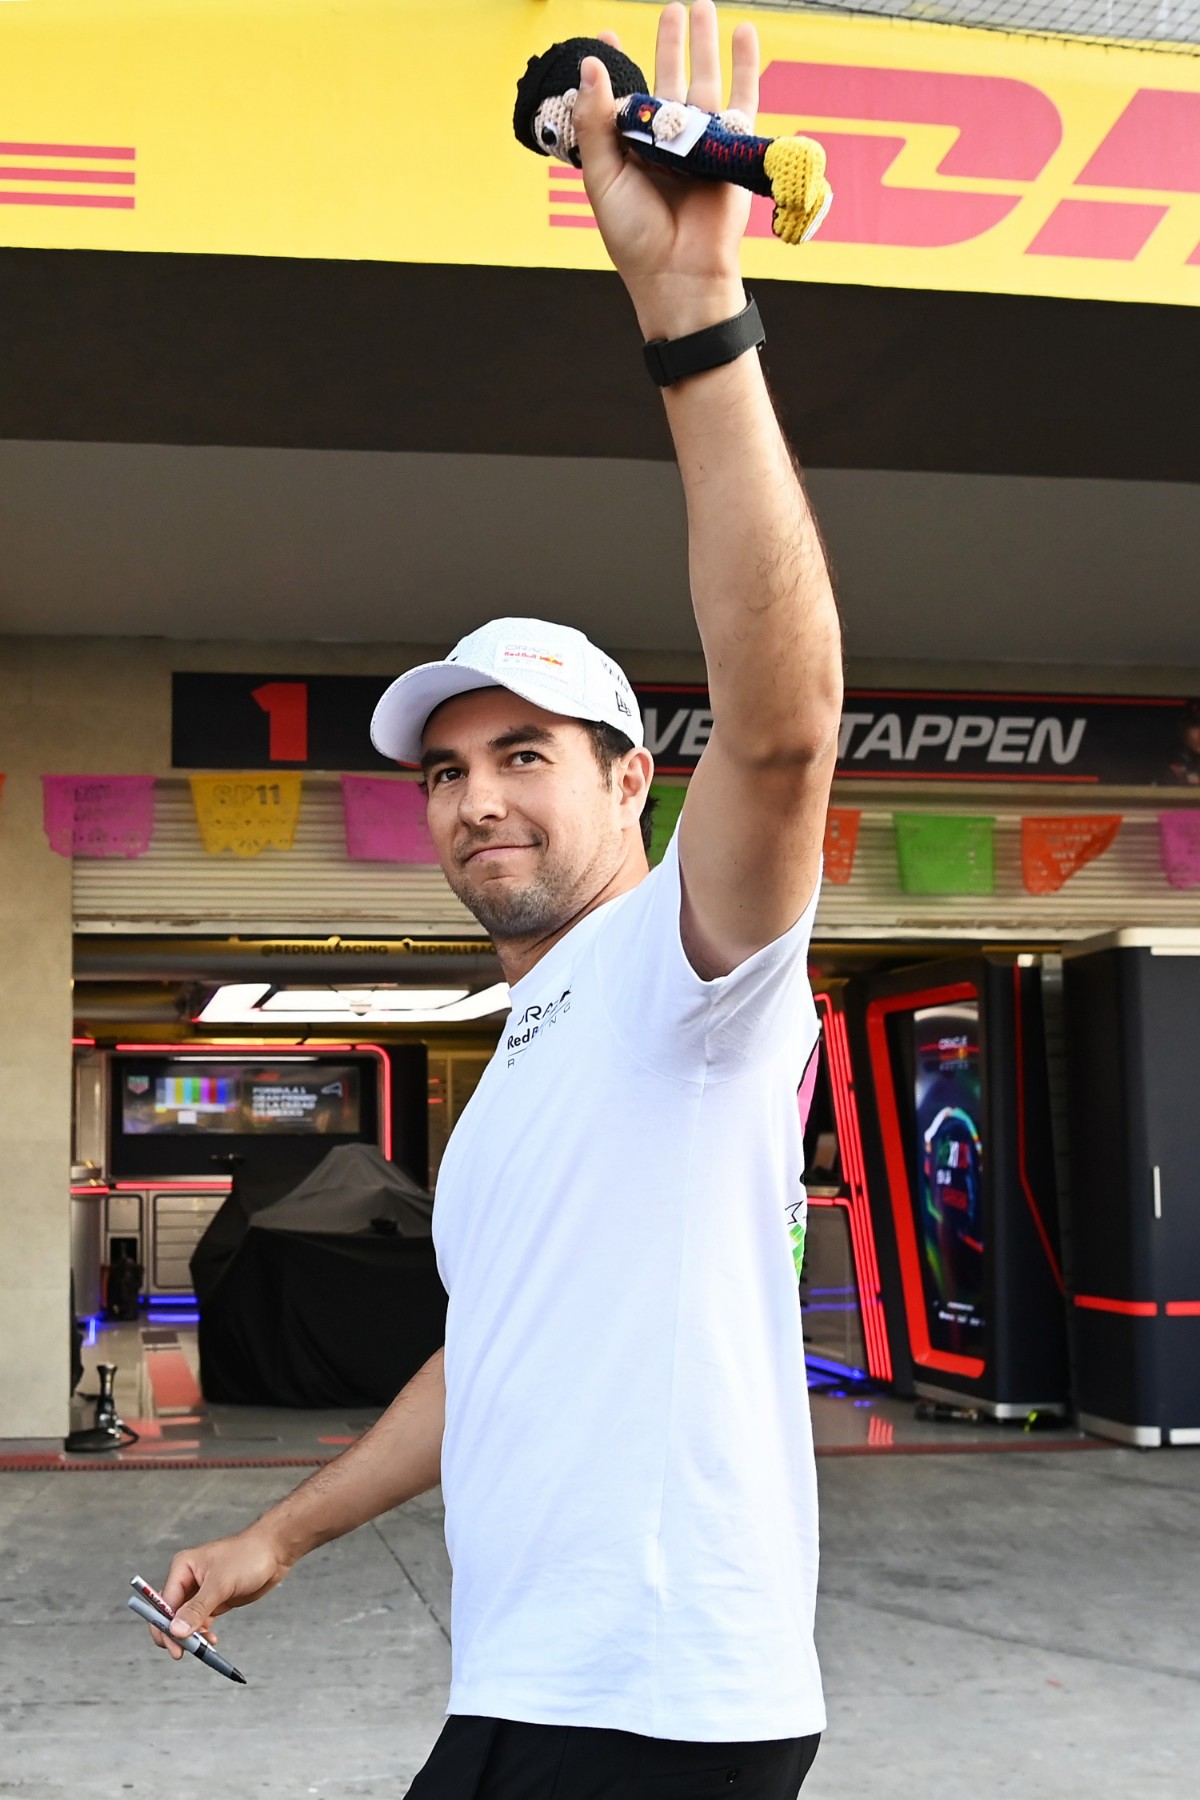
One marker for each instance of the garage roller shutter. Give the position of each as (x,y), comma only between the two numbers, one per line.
(176,887)
(1125,886)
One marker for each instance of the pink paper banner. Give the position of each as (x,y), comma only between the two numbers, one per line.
(1179,843)
(98,815)
(385,820)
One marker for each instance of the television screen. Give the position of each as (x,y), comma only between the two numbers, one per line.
(949,1166)
(240,1099)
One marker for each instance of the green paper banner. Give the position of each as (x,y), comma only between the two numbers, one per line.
(941,855)
(668,806)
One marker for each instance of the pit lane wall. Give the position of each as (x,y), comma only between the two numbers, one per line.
(381,130)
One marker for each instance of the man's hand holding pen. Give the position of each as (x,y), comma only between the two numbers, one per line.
(169,1629)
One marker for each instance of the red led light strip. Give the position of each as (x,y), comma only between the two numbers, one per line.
(1138,1309)
(385,1091)
(208,1184)
(858,1208)
(899,1191)
(862,1236)
(1130,1309)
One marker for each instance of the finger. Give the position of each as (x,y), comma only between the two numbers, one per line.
(164,1643)
(743,88)
(705,89)
(196,1613)
(610,38)
(670,61)
(599,146)
(183,1579)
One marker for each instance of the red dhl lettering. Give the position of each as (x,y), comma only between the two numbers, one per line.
(1154,144)
(1006,131)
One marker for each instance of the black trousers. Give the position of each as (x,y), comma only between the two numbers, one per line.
(497,1759)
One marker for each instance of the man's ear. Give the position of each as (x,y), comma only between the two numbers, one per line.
(636,774)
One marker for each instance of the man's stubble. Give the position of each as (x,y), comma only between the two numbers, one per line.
(540,907)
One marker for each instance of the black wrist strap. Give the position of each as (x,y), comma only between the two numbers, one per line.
(672,359)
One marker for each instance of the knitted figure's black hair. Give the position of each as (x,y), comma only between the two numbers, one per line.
(557,69)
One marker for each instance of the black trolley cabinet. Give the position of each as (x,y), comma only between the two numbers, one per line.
(1132,1015)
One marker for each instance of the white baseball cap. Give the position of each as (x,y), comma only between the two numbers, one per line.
(553,666)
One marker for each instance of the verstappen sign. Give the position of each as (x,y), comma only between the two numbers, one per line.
(890,735)
(323,722)
(381,129)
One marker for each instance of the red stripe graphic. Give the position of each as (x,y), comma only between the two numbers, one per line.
(109,177)
(94,152)
(120,200)
(41,179)
(1183,1309)
(566,189)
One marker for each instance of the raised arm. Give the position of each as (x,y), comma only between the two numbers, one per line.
(398,1458)
(751,831)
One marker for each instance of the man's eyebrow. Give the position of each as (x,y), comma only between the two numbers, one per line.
(521,734)
(508,740)
(431,757)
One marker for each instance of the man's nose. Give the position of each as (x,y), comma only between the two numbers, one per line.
(480,797)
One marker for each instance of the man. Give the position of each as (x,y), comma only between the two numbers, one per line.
(619,1418)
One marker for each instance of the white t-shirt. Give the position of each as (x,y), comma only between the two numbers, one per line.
(631,1508)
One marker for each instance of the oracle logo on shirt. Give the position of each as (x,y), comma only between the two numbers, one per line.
(533,1023)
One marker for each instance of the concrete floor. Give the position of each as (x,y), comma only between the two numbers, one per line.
(990,1625)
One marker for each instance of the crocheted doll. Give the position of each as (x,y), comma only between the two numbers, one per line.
(717,146)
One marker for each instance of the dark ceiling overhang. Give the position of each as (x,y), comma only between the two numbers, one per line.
(254,351)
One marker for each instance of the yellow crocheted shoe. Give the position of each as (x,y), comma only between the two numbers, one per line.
(795,167)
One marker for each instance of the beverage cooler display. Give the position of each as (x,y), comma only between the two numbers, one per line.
(962,1180)
(1132,1015)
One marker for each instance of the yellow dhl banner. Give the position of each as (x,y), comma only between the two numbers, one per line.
(381,129)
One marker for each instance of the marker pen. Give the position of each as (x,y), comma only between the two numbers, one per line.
(154,1597)
(195,1644)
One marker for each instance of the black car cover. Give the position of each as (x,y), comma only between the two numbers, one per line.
(318,1292)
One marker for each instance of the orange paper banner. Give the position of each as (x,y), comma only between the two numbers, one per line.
(841,838)
(1052,850)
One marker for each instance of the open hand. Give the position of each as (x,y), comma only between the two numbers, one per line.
(674,241)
